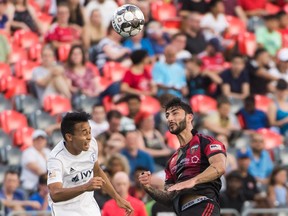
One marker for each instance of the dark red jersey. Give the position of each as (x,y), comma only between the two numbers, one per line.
(191,160)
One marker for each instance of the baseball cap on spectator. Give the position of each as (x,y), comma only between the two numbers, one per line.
(243,153)
(38,133)
(216,44)
(140,117)
(283,55)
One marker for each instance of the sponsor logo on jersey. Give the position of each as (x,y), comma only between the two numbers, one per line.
(215,147)
(193,149)
(82,175)
(72,170)
(195,159)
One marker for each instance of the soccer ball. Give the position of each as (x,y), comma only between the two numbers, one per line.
(128,20)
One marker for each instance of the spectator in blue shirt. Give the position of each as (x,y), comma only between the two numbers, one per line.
(4,22)
(135,156)
(11,196)
(41,195)
(251,118)
(261,164)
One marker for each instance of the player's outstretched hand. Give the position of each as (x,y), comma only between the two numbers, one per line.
(95,183)
(182,185)
(122,203)
(145,178)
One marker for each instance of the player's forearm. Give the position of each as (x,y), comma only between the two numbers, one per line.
(163,197)
(108,186)
(213,172)
(63,194)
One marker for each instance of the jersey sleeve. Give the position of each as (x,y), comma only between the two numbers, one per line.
(55,171)
(214,147)
(168,175)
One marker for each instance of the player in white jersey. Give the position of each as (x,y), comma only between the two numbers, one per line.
(74,172)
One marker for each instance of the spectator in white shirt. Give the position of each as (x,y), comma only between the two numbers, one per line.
(98,123)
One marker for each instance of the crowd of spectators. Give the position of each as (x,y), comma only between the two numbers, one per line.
(200,56)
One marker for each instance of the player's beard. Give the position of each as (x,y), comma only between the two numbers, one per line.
(180,127)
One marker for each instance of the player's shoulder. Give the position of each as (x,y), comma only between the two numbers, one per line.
(206,139)
(57,150)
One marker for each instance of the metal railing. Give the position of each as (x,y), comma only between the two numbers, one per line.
(230,211)
(28,213)
(247,212)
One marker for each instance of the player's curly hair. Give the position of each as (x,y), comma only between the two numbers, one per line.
(177,102)
(71,119)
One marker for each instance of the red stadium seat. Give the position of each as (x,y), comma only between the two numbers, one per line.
(34,52)
(11,120)
(150,104)
(271,138)
(94,68)
(109,105)
(63,52)
(56,104)
(247,44)
(203,104)
(35,5)
(172,140)
(24,69)
(163,11)
(25,38)
(6,35)
(17,54)
(4,70)
(22,137)
(236,25)
(262,102)
(103,83)
(272,8)
(11,86)
(114,71)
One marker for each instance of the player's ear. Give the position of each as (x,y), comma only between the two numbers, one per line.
(68,137)
(190,117)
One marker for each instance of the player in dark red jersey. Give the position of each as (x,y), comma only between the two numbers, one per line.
(193,172)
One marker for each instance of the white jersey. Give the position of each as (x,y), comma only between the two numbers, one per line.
(71,171)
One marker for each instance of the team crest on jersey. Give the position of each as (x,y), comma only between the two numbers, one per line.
(93,157)
(194,149)
(215,147)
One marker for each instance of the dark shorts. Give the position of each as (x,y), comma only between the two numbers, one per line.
(204,208)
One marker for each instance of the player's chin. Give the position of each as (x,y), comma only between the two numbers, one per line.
(86,147)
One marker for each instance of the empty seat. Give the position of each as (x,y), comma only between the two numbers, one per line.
(14,156)
(11,120)
(22,138)
(41,120)
(114,71)
(11,86)
(26,104)
(5,70)
(24,69)
(247,43)
(84,103)
(34,52)
(55,138)
(56,104)
(271,138)
(5,140)
(150,104)
(25,39)
(18,54)
(63,52)
(203,104)
(262,102)
(5,104)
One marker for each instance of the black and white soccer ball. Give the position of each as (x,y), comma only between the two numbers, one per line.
(128,20)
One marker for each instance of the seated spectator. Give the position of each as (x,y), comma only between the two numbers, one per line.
(261,164)
(34,161)
(138,79)
(4,21)
(61,32)
(212,58)
(232,8)
(214,23)
(139,43)
(236,79)
(169,75)
(114,119)
(250,117)
(222,121)
(114,145)
(196,42)
(158,38)
(106,8)
(135,156)
(277,188)
(153,142)
(268,36)
(93,30)
(49,77)
(121,183)
(258,69)
(12,197)
(24,17)
(117,163)
(199,81)
(187,6)
(108,49)
(278,111)
(233,197)
(76,19)
(250,189)
(136,189)
(41,195)
(98,123)
(82,77)
(101,153)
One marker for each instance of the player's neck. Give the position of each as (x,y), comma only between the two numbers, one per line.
(71,150)
(185,137)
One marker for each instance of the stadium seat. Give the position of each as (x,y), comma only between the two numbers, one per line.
(172,140)
(24,69)
(34,52)
(25,39)
(247,44)
(5,104)
(109,105)
(272,8)
(41,120)
(5,140)
(203,104)
(5,70)
(26,104)
(114,71)
(56,104)
(163,11)
(271,138)
(34,5)
(14,156)
(103,83)
(22,138)
(11,120)
(262,102)
(55,138)
(11,86)
(236,26)
(63,52)
(93,68)
(84,103)
(18,54)
(6,35)
(150,104)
